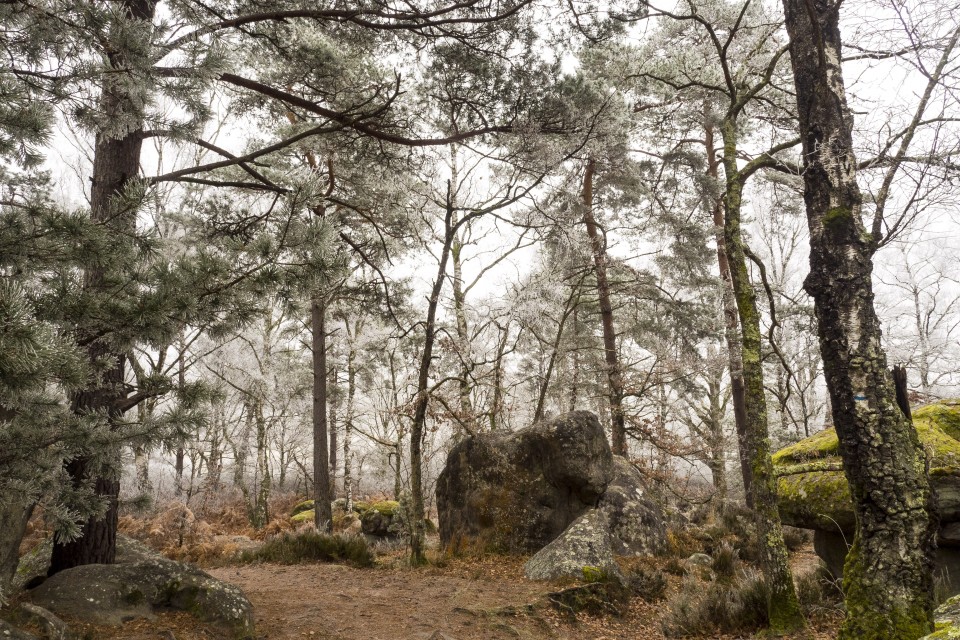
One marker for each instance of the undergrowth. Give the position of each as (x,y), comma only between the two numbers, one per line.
(312,546)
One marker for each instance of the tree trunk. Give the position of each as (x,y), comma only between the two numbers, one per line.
(459,311)
(334,400)
(888,575)
(783,606)
(618,432)
(322,511)
(116,161)
(731,327)
(417,533)
(348,423)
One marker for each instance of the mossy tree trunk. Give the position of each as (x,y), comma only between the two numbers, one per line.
(731,323)
(618,431)
(888,576)
(783,607)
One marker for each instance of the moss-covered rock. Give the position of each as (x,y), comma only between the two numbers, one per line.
(813,491)
(300,507)
(946,621)
(382,519)
(303,516)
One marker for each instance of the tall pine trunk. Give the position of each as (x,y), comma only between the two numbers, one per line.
(618,431)
(116,162)
(888,575)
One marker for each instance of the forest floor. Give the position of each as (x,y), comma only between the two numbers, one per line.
(467,599)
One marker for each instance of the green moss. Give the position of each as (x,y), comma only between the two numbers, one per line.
(821,445)
(360,506)
(818,497)
(836,218)
(300,507)
(812,489)
(386,507)
(303,516)
(594,574)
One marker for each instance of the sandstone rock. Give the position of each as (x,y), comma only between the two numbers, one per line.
(10,632)
(582,551)
(382,519)
(813,492)
(141,582)
(698,560)
(53,627)
(517,492)
(637,526)
(946,621)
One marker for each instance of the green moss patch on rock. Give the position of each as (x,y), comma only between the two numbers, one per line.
(812,488)
(300,507)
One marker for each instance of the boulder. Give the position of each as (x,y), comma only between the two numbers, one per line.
(10,632)
(583,551)
(141,582)
(517,492)
(382,519)
(813,492)
(637,526)
(946,620)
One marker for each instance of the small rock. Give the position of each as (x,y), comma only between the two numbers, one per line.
(699,560)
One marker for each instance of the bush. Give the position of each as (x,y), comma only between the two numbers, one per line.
(725,561)
(648,584)
(819,592)
(312,546)
(795,538)
(718,608)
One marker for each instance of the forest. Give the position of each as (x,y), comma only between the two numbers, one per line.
(480,319)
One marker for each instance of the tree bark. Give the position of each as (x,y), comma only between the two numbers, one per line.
(888,575)
(322,511)
(417,533)
(618,431)
(116,162)
(731,326)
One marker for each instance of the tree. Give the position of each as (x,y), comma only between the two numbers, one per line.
(888,577)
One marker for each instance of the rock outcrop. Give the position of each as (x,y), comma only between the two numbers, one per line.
(813,492)
(584,547)
(946,621)
(140,583)
(519,492)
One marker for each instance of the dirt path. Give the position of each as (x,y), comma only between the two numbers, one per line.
(337,602)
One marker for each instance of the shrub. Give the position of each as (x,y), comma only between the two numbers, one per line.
(718,608)
(819,592)
(726,559)
(795,538)
(674,567)
(648,584)
(312,546)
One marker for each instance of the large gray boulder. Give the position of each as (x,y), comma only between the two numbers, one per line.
(583,551)
(141,583)
(516,492)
